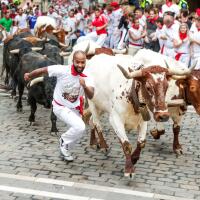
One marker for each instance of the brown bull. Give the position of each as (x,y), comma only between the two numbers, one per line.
(189,91)
(59,33)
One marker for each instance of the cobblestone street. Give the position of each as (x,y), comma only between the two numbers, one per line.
(33,152)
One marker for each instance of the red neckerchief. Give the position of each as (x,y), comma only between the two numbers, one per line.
(75,73)
(152,21)
(135,27)
(182,35)
(198,29)
(170,25)
(160,27)
(168,3)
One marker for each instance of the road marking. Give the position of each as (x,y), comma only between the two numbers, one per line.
(77,185)
(44,193)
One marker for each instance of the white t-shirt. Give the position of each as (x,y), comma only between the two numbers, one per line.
(116,16)
(68,89)
(22,21)
(171,33)
(195,35)
(185,46)
(137,33)
(80,18)
(159,34)
(173,8)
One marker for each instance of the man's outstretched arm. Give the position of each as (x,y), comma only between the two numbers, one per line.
(35,73)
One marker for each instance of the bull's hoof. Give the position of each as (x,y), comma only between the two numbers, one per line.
(94,146)
(13,93)
(105,150)
(19,109)
(161,132)
(54,130)
(178,151)
(142,144)
(130,173)
(157,133)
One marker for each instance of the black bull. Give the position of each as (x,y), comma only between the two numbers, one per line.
(41,92)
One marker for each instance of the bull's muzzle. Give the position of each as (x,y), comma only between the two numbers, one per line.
(161,116)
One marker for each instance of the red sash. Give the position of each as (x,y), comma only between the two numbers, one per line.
(80,107)
(138,45)
(178,55)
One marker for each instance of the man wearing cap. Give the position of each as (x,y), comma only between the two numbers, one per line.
(115,19)
(170,31)
(195,40)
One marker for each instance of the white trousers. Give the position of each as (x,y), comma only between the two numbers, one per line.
(121,44)
(196,60)
(98,39)
(185,58)
(5,35)
(169,52)
(115,38)
(132,50)
(72,118)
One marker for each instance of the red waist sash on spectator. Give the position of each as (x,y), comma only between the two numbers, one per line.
(134,44)
(178,55)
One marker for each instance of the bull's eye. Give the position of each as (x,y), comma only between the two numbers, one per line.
(148,88)
(192,88)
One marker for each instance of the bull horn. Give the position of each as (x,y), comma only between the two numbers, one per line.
(55,31)
(121,51)
(36,48)
(40,40)
(179,71)
(62,53)
(87,48)
(130,75)
(14,51)
(63,45)
(175,102)
(36,80)
(179,77)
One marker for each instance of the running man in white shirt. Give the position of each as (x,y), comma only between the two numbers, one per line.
(72,82)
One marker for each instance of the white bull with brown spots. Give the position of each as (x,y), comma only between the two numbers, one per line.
(180,93)
(113,94)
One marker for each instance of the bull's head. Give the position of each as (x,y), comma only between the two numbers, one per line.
(44,88)
(191,84)
(154,84)
(193,89)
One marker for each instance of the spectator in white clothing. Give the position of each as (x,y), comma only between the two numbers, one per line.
(136,36)
(20,21)
(182,44)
